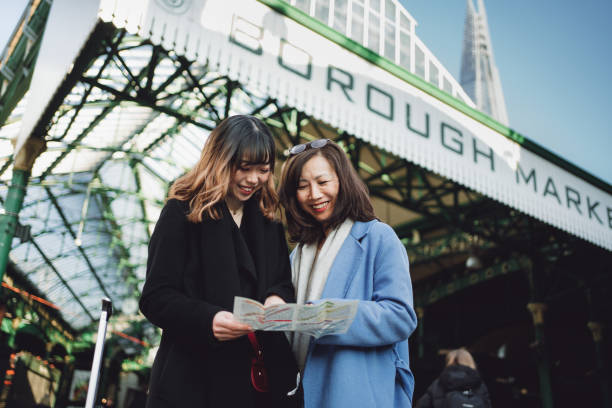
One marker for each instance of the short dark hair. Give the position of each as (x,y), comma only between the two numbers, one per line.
(353,200)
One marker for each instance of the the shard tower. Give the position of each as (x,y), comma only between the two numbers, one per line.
(479,75)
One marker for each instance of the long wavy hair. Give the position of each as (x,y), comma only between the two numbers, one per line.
(237,139)
(353,200)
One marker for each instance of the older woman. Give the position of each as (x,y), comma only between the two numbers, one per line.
(344,252)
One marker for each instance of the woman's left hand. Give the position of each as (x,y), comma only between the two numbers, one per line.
(274,300)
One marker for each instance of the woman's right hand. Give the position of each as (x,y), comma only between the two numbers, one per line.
(226,328)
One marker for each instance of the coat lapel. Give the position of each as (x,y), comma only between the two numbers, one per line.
(242,255)
(347,263)
(219,264)
(254,231)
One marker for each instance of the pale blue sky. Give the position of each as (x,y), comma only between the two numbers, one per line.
(553,57)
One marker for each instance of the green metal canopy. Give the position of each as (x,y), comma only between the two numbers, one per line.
(132,115)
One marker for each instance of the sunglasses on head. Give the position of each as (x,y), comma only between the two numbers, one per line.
(315,144)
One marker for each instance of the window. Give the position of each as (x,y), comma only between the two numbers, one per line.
(433,74)
(340,8)
(419,62)
(447,87)
(404,22)
(390,10)
(374,33)
(390,40)
(405,50)
(303,5)
(357,23)
(322,11)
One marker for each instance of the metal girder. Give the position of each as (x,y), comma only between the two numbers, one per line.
(105,112)
(123,252)
(452,243)
(19,57)
(141,202)
(21,304)
(59,210)
(87,92)
(100,188)
(61,278)
(124,96)
(433,291)
(443,212)
(442,204)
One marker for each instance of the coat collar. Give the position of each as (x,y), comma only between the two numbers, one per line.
(347,262)
(253,232)
(360,229)
(245,242)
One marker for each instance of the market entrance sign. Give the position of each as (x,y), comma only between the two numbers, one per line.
(273,54)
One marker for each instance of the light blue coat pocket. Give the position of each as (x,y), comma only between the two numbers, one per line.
(404,382)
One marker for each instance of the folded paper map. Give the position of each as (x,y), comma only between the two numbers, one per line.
(321,319)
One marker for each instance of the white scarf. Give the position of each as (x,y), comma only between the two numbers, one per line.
(310,272)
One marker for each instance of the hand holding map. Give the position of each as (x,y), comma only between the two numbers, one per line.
(321,319)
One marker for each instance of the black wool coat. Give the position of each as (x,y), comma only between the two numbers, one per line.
(194,270)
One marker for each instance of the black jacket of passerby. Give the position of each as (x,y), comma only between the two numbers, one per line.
(454,377)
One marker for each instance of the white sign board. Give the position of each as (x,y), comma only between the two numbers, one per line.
(271,53)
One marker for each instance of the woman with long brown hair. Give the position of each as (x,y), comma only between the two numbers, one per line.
(216,238)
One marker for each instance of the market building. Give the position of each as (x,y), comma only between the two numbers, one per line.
(108,102)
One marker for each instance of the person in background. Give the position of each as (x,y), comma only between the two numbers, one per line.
(216,238)
(459,385)
(344,252)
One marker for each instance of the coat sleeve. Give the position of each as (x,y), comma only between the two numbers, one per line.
(389,316)
(281,280)
(163,300)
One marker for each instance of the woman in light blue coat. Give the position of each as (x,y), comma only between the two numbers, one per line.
(344,252)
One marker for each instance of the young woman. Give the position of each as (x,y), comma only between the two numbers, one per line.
(344,252)
(458,385)
(215,239)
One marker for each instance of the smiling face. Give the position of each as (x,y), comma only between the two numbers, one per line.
(247,179)
(318,188)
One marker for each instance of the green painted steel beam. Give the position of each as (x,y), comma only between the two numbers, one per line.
(9,217)
(454,242)
(124,221)
(87,60)
(141,203)
(61,278)
(58,209)
(102,188)
(122,95)
(427,294)
(17,63)
(122,248)
(54,331)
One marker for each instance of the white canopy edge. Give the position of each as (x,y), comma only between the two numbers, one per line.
(267,51)
(69,25)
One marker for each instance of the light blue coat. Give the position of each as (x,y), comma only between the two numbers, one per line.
(368,365)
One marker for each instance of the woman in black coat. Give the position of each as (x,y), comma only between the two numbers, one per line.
(215,239)
(459,385)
